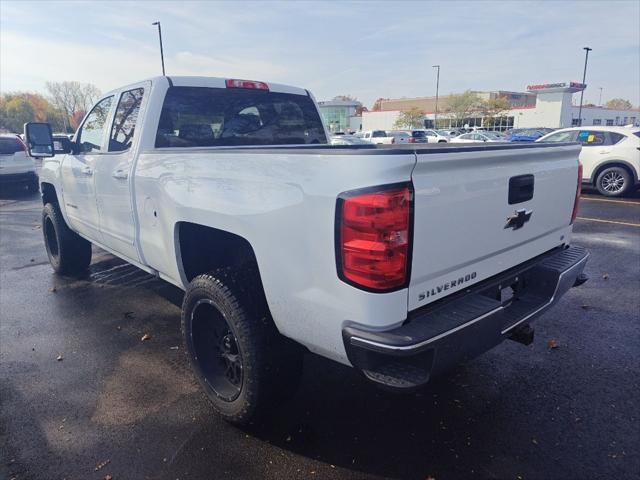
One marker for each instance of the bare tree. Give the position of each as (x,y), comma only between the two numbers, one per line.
(619,104)
(460,105)
(72,98)
(493,109)
(412,118)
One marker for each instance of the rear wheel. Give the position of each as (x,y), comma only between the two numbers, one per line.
(243,364)
(68,252)
(613,182)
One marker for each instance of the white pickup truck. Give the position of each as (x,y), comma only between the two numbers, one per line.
(398,261)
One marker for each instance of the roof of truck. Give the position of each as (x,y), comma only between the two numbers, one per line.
(212,82)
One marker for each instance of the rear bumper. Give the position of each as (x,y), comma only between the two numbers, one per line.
(458,328)
(12,178)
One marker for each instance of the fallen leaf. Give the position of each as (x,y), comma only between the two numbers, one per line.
(145,337)
(553,344)
(60,358)
(129,315)
(534,441)
(108,477)
(605,276)
(101,465)
(118,327)
(32,260)
(288,439)
(585,307)
(37,227)
(53,289)
(174,348)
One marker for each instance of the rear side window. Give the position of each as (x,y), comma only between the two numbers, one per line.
(595,138)
(378,134)
(213,117)
(124,121)
(616,137)
(9,146)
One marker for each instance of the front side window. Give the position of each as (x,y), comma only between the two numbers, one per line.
(213,117)
(569,136)
(93,128)
(124,122)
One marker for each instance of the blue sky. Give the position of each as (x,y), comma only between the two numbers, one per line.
(366,49)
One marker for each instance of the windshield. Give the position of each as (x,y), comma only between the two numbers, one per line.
(206,117)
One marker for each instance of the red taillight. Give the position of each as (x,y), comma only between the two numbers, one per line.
(251,84)
(412,140)
(373,238)
(576,203)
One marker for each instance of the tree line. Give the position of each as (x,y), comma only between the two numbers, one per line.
(63,106)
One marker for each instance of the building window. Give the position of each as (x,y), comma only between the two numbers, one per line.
(575,122)
(597,121)
(617,120)
(609,122)
(632,120)
(624,122)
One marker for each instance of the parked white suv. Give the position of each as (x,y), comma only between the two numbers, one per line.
(610,156)
(16,167)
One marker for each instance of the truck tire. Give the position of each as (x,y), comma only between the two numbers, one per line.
(241,361)
(68,252)
(613,182)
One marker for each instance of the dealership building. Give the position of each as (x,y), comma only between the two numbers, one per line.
(548,105)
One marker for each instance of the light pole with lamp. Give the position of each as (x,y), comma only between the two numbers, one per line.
(435,117)
(584,78)
(161,52)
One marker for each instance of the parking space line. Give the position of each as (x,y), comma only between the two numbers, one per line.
(609,201)
(599,220)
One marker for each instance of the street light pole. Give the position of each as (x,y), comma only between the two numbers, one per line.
(584,78)
(161,51)
(435,117)
(600,101)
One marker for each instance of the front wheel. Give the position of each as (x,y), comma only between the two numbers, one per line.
(613,182)
(239,358)
(68,252)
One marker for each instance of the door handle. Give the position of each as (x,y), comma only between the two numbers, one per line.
(86,170)
(604,152)
(120,174)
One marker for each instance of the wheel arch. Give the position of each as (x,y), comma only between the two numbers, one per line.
(201,248)
(614,163)
(49,194)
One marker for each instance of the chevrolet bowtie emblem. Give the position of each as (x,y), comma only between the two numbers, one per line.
(518,219)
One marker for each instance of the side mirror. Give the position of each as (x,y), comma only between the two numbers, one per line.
(39,139)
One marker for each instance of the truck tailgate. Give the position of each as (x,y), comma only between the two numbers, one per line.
(461,207)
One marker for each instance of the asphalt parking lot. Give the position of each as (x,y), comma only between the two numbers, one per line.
(116,406)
